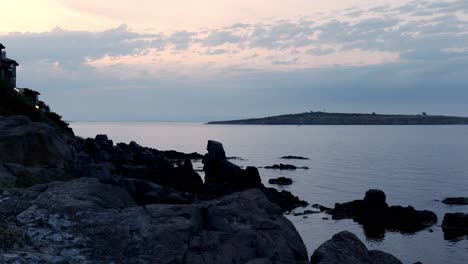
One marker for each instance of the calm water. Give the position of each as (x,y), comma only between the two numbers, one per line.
(414,165)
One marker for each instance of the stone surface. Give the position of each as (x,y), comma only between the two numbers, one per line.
(85,221)
(219,171)
(32,143)
(294,157)
(281,181)
(456,200)
(455,225)
(282,166)
(376,216)
(346,248)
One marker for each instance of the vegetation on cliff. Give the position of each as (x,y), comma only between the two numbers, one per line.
(12,103)
(323,118)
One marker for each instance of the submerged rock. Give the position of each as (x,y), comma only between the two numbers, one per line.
(456,200)
(375,215)
(346,248)
(85,221)
(455,225)
(294,157)
(281,181)
(285,167)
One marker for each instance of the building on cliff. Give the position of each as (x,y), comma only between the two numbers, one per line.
(7,67)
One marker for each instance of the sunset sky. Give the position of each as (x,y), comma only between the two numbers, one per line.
(151,60)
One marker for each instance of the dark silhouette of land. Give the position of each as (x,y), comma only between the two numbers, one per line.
(323,118)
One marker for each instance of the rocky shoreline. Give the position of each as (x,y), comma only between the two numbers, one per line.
(64,199)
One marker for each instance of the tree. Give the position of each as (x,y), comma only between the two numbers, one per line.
(424,113)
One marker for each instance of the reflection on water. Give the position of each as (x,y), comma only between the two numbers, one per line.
(414,165)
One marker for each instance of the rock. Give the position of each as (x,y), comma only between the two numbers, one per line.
(294,157)
(322,208)
(346,248)
(281,181)
(306,212)
(285,167)
(455,225)
(284,199)
(7,179)
(34,143)
(456,200)
(219,171)
(85,221)
(145,193)
(216,150)
(375,215)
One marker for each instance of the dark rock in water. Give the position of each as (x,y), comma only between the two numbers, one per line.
(346,248)
(375,215)
(294,157)
(455,225)
(85,221)
(223,177)
(216,150)
(284,199)
(281,181)
(322,208)
(456,200)
(306,212)
(285,167)
(219,171)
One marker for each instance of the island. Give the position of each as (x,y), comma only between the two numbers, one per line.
(324,118)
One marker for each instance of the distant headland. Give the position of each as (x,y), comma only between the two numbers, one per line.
(324,118)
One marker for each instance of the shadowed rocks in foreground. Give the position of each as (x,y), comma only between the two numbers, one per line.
(346,248)
(86,221)
(376,216)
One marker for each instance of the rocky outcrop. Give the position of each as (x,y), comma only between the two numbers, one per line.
(219,171)
(32,152)
(103,160)
(282,166)
(455,225)
(86,221)
(375,215)
(281,181)
(32,143)
(346,248)
(223,177)
(456,200)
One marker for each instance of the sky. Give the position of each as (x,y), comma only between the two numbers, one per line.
(204,60)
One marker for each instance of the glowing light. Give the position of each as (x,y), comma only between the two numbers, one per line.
(37,107)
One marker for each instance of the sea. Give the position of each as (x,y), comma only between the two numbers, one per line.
(413,165)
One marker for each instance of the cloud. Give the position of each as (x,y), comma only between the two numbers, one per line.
(415,52)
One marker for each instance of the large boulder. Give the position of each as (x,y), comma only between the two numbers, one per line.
(376,216)
(33,152)
(455,225)
(456,200)
(346,248)
(32,143)
(85,221)
(219,171)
